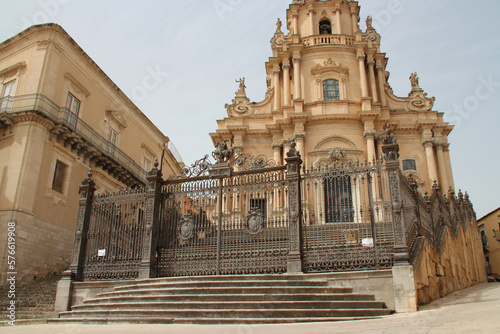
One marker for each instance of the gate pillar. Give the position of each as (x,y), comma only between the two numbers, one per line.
(391,151)
(82,227)
(148,267)
(293,161)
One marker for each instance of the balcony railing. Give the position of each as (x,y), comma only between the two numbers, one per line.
(328,40)
(60,115)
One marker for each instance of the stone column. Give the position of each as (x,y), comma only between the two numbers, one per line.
(277,88)
(286,146)
(381,83)
(296,78)
(371,71)
(449,170)
(293,161)
(370,145)
(310,13)
(148,266)
(277,147)
(443,177)
(300,138)
(431,161)
(295,23)
(354,17)
(362,74)
(82,227)
(286,83)
(338,27)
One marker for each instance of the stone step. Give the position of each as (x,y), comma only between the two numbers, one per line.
(235,297)
(228,290)
(231,305)
(229,283)
(222,314)
(203,321)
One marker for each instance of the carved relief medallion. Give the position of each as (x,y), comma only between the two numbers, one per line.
(255,221)
(185,228)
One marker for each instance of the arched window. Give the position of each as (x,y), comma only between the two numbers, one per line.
(325,27)
(331,90)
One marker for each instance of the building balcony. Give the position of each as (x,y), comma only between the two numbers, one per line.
(328,40)
(73,133)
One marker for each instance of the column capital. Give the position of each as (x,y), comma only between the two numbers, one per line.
(371,62)
(370,134)
(296,59)
(428,143)
(277,146)
(238,148)
(361,56)
(439,145)
(286,66)
(300,136)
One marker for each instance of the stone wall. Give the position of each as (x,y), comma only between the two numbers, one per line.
(454,264)
(41,248)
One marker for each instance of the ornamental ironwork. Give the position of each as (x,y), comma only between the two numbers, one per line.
(255,221)
(245,161)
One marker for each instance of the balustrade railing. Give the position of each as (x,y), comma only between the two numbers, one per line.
(328,40)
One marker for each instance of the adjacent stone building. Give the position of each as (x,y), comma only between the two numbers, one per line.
(60,115)
(489,226)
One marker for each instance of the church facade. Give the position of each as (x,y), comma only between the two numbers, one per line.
(328,89)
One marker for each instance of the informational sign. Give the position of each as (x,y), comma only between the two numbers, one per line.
(367,242)
(101,253)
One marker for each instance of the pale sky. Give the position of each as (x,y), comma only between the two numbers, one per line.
(197,48)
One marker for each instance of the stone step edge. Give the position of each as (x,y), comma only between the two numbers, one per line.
(222,311)
(366,297)
(107,321)
(249,283)
(222,289)
(374,303)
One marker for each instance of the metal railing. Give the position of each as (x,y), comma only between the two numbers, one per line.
(60,115)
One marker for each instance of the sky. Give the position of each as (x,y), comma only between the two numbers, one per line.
(195,49)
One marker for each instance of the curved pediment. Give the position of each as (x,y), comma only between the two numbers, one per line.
(335,142)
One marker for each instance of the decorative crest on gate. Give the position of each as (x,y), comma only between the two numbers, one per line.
(255,221)
(185,227)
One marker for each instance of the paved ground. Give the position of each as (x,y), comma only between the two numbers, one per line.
(475,310)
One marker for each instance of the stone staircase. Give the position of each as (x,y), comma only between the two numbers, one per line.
(34,300)
(226,299)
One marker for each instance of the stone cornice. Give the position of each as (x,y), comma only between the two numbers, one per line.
(12,69)
(76,85)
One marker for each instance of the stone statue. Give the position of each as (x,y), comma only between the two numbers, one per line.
(369,22)
(278,25)
(241,90)
(222,152)
(414,81)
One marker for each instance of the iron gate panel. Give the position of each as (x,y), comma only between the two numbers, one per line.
(115,236)
(346,222)
(253,236)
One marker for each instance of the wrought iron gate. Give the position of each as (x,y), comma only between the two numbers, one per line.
(229,222)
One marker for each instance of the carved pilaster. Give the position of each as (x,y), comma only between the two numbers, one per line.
(82,227)
(294,162)
(148,267)
(391,151)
